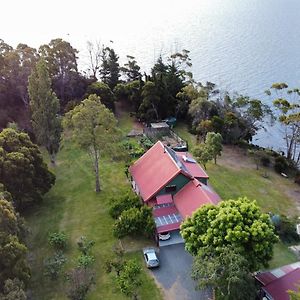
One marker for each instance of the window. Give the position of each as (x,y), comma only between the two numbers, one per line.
(170,188)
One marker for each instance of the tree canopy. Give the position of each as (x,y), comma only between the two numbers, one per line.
(44,106)
(22,169)
(227,272)
(94,129)
(237,223)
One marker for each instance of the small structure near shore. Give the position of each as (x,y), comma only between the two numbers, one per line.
(161,131)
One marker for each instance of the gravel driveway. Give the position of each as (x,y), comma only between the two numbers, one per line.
(173,275)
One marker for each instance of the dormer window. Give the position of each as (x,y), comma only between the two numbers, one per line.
(170,188)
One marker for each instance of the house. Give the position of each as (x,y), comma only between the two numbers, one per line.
(274,284)
(173,183)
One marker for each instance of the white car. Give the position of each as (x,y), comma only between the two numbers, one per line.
(164,236)
(150,257)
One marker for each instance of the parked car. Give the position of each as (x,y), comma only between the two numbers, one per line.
(164,236)
(150,257)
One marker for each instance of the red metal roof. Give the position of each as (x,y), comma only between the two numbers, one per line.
(192,196)
(278,288)
(164,199)
(163,211)
(154,170)
(169,227)
(193,167)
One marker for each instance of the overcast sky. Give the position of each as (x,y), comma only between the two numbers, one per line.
(36,22)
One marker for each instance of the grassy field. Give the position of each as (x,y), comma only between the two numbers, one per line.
(232,179)
(72,206)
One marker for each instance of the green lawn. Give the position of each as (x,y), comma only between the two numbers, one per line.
(72,206)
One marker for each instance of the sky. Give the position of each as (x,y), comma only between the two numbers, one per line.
(37,22)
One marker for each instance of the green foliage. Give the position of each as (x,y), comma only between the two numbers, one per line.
(213,143)
(123,203)
(131,69)
(237,223)
(128,279)
(103,91)
(287,103)
(146,143)
(94,129)
(80,281)
(22,169)
(202,154)
(133,149)
(85,245)
(110,70)
(13,290)
(134,221)
(13,263)
(294,295)
(286,229)
(280,164)
(58,240)
(53,265)
(226,272)
(44,105)
(85,260)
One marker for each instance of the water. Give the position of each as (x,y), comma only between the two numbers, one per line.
(242,45)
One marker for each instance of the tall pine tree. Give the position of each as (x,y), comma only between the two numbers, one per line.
(44,107)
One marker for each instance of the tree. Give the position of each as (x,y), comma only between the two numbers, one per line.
(103,91)
(213,142)
(131,69)
(68,84)
(13,252)
(237,223)
(94,129)
(44,106)
(226,272)
(148,109)
(202,154)
(110,70)
(288,106)
(129,280)
(94,55)
(22,169)
(123,203)
(134,221)
(13,290)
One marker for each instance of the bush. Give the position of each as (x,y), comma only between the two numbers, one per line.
(85,260)
(286,229)
(135,221)
(281,164)
(58,240)
(297,178)
(265,160)
(53,265)
(80,281)
(146,143)
(85,245)
(123,203)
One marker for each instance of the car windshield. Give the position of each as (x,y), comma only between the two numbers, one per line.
(151,256)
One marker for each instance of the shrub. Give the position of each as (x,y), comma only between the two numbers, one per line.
(286,229)
(58,240)
(85,245)
(135,221)
(146,143)
(85,260)
(53,265)
(265,160)
(297,178)
(123,203)
(80,281)
(280,164)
